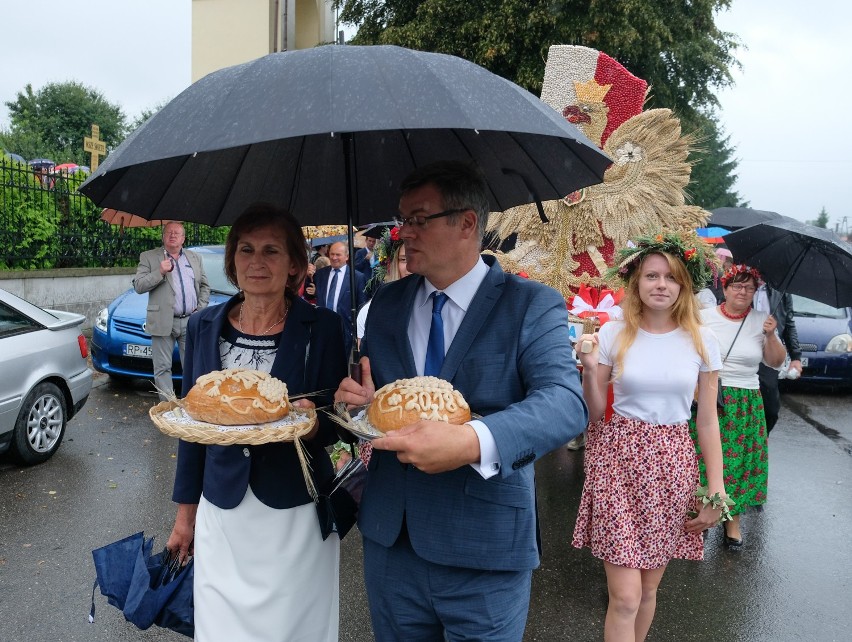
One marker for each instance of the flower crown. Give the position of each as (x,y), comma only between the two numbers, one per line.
(386,246)
(740,268)
(697,255)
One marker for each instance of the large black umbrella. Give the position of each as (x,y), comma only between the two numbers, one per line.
(798,258)
(312,130)
(735,218)
(330,132)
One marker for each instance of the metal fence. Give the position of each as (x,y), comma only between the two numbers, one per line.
(45,223)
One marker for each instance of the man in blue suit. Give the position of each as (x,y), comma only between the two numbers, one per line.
(448,515)
(334,290)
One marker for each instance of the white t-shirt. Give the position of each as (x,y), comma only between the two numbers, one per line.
(657,383)
(740,369)
(361,319)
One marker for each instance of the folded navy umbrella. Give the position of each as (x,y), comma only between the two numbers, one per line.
(149,589)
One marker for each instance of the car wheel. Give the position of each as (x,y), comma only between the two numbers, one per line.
(40,425)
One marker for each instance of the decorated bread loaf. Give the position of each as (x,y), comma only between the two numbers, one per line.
(408,400)
(237,397)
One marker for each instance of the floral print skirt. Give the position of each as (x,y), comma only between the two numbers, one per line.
(639,487)
(745,454)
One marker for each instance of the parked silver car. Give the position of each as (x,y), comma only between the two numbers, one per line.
(44,377)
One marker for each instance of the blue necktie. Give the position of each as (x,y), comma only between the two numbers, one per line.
(329,298)
(435,347)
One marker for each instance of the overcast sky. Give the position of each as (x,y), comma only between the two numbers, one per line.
(794,159)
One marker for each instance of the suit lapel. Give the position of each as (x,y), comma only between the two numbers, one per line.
(481,307)
(290,357)
(403,345)
(161,254)
(392,309)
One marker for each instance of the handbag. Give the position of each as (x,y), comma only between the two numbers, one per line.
(720,398)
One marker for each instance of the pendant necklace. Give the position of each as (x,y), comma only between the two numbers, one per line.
(263,334)
(732,317)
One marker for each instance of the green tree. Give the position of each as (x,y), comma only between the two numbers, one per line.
(821,219)
(145,114)
(53,121)
(713,170)
(672,44)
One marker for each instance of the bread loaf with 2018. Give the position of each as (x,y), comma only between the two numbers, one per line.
(406,401)
(236,397)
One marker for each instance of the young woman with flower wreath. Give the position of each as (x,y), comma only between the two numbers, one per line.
(641,467)
(390,253)
(746,338)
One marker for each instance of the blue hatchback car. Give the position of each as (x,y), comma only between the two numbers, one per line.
(825,336)
(121,347)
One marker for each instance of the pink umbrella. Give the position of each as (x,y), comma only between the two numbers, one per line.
(124,219)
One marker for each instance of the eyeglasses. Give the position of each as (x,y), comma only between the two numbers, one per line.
(740,287)
(421,221)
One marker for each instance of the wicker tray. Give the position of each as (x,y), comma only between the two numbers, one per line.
(174,422)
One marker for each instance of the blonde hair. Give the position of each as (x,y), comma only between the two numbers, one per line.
(684,311)
(393,266)
(321,261)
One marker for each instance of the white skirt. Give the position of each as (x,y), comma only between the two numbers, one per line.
(263,574)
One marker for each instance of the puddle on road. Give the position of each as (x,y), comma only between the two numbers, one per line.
(801,410)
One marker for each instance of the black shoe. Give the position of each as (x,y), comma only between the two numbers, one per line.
(733,542)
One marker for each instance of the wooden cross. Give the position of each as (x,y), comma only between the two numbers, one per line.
(94,146)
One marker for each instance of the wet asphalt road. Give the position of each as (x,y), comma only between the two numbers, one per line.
(112,477)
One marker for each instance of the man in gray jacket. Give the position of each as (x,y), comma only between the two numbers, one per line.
(177,286)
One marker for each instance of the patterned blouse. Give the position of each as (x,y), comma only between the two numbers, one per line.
(239,350)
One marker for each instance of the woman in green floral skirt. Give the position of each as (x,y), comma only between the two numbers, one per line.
(746,337)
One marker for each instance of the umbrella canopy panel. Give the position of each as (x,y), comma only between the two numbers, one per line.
(282,129)
(735,218)
(797,258)
(124,219)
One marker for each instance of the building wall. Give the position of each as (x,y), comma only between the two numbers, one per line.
(230,32)
(81,290)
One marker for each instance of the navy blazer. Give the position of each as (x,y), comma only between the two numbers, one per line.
(511,359)
(362,264)
(273,471)
(344,301)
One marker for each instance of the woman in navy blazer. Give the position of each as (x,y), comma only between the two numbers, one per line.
(262,569)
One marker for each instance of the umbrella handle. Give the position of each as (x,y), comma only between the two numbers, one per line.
(355,372)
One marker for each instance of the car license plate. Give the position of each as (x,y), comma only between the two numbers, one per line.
(804,361)
(133,350)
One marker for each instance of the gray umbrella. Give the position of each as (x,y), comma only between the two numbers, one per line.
(332,130)
(735,218)
(798,258)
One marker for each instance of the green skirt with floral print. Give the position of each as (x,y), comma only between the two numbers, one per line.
(745,454)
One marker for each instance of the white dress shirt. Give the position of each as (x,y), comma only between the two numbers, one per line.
(761,299)
(335,296)
(460,294)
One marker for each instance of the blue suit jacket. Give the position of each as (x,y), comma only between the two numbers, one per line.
(344,301)
(512,361)
(362,264)
(273,470)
